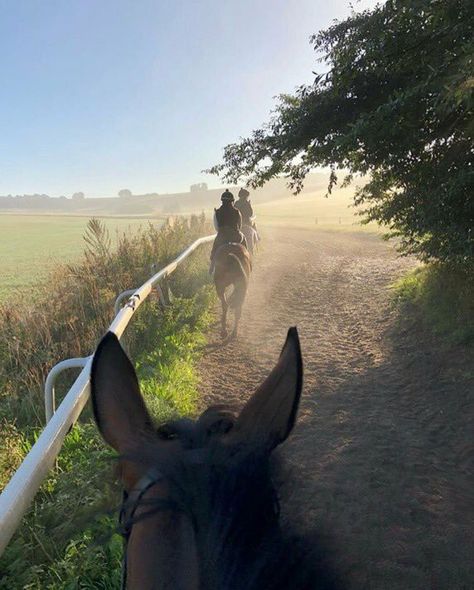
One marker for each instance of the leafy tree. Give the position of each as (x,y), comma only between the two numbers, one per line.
(395,104)
(125,193)
(78,196)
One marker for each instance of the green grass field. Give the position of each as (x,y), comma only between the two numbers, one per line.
(31,245)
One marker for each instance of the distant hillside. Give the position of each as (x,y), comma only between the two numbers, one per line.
(150,204)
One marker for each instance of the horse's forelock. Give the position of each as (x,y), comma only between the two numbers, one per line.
(198,459)
(216,420)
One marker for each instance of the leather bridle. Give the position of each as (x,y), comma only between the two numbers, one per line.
(130,503)
(132,500)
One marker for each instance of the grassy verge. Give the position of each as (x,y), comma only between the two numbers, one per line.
(68,539)
(443,298)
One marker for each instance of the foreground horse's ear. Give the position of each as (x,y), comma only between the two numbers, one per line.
(269,416)
(119,409)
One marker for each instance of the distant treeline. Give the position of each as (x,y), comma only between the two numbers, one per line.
(32,202)
(37,201)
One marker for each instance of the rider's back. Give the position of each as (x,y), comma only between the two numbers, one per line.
(228,216)
(245,208)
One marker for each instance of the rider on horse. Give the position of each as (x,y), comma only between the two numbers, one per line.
(245,207)
(228,222)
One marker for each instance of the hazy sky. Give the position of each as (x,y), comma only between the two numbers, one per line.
(99,95)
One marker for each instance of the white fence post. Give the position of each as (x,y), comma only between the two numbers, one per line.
(49,392)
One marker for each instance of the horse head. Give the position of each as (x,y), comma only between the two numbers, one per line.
(200,508)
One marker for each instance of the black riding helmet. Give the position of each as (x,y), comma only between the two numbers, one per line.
(243,193)
(227,197)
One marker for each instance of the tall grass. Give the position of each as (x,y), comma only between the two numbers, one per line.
(443,299)
(73,308)
(68,539)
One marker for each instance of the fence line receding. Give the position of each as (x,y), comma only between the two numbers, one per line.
(22,487)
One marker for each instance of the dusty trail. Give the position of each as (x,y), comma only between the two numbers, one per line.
(382,453)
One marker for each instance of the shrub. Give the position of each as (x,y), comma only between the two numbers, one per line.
(443,297)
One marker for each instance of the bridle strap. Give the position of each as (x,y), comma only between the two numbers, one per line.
(130,503)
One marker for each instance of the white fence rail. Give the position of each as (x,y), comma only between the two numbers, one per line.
(22,487)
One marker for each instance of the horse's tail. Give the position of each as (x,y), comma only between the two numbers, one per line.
(240,286)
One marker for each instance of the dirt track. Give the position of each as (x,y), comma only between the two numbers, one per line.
(382,454)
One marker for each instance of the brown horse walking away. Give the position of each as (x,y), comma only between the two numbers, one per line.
(200,509)
(232,267)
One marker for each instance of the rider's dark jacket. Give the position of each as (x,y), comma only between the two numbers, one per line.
(245,208)
(229,222)
(228,216)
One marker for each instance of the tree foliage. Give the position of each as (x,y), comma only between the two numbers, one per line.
(395,105)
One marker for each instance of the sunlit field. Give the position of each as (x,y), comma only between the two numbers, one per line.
(308,210)
(31,245)
(314,210)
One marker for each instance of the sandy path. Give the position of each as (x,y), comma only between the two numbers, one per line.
(381,455)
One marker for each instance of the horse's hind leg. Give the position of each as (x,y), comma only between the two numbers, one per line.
(225,307)
(237,315)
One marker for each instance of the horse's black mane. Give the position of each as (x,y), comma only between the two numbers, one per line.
(227,490)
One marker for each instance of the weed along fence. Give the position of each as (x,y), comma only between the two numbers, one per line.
(22,487)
